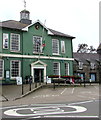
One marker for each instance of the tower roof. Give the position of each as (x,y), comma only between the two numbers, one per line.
(24,11)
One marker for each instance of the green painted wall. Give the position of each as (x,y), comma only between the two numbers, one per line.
(9,31)
(26,48)
(0,40)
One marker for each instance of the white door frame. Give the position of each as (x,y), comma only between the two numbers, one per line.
(40,66)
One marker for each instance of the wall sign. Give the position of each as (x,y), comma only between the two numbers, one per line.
(19,80)
(7,75)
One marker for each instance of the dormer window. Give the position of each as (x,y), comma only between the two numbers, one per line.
(92,66)
(80,65)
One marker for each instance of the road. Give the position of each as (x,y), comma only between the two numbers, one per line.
(71,110)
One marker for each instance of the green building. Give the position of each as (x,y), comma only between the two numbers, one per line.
(33,49)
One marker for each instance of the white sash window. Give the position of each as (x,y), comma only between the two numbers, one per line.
(62,46)
(56,68)
(66,68)
(55,46)
(37,44)
(15,42)
(15,68)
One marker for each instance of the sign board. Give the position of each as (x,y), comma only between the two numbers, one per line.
(7,75)
(48,80)
(19,80)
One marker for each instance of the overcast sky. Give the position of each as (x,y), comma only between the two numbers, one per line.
(79,18)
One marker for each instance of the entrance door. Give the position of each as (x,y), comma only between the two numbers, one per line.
(38,75)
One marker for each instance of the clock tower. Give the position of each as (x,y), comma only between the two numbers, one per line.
(25,15)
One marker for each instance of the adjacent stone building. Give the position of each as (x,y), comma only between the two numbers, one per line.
(99,52)
(87,65)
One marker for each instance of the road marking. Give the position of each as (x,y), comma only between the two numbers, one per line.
(44,96)
(13,106)
(63,91)
(72,116)
(81,102)
(96,87)
(56,110)
(72,90)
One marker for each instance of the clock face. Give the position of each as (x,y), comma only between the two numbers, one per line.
(37,27)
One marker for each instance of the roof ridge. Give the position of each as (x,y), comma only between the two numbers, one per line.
(9,20)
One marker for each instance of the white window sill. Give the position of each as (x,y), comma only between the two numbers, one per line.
(56,54)
(38,53)
(16,51)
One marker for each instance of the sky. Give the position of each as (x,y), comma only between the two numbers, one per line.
(78,18)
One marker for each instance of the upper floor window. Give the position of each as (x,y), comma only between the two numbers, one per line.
(1,68)
(66,68)
(15,42)
(92,65)
(15,68)
(62,46)
(56,68)
(80,65)
(37,44)
(55,46)
(5,41)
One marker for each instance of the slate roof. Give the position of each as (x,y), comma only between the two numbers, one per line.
(19,26)
(60,34)
(86,58)
(13,24)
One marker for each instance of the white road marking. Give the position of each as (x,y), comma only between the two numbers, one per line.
(63,91)
(96,87)
(72,90)
(71,116)
(81,102)
(13,106)
(86,92)
(57,110)
(45,96)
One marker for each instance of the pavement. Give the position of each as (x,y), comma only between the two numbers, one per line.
(13,92)
(9,93)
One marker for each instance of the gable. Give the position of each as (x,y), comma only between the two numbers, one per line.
(39,63)
(35,24)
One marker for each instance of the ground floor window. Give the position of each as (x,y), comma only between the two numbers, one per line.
(56,68)
(93,77)
(1,68)
(66,68)
(15,68)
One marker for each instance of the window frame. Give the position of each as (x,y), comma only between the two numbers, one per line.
(67,72)
(37,50)
(80,65)
(2,68)
(62,46)
(92,66)
(18,42)
(55,48)
(13,68)
(55,69)
(4,40)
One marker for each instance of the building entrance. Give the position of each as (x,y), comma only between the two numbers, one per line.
(38,75)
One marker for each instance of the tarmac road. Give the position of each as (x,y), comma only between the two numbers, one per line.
(58,95)
(88,110)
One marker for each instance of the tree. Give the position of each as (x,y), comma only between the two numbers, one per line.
(82,48)
(92,49)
